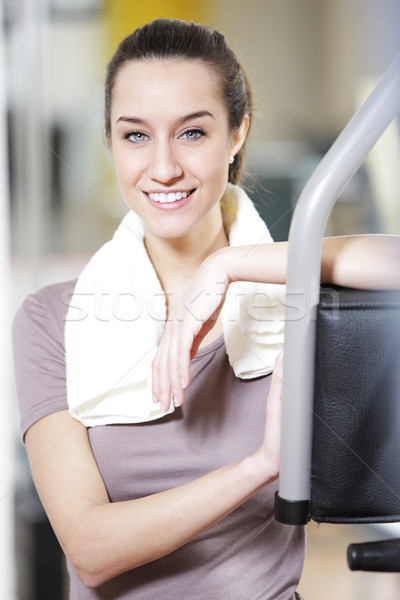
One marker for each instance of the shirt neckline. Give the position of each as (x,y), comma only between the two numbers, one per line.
(217,343)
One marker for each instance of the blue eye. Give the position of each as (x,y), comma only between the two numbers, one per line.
(192,134)
(136,136)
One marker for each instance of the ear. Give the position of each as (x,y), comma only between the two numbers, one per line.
(238,136)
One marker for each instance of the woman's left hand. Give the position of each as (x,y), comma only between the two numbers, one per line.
(186,327)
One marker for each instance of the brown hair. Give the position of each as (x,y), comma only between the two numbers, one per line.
(172,38)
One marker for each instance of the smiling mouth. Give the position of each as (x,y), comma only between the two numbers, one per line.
(163,197)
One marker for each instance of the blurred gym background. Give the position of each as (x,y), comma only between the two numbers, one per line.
(311,62)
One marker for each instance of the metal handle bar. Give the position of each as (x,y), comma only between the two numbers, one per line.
(303,281)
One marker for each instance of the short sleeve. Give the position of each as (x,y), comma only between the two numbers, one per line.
(39,353)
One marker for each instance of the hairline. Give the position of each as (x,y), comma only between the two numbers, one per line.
(217,75)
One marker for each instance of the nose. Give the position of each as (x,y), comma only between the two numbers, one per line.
(164,166)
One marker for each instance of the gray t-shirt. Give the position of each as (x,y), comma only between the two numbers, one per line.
(246,555)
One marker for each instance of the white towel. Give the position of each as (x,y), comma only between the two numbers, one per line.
(117,313)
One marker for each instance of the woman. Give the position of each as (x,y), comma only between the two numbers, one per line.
(167,500)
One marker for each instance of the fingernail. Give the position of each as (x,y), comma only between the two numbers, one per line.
(183,383)
(155,399)
(176,402)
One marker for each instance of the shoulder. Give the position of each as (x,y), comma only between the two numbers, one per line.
(54,297)
(39,352)
(45,308)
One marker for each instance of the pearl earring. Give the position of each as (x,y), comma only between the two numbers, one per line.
(231,160)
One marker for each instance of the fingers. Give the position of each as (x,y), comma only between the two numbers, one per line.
(274,403)
(161,384)
(187,326)
(278,367)
(170,369)
(272,437)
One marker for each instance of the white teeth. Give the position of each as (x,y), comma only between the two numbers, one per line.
(171,197)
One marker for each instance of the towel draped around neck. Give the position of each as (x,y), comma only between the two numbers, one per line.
(117,313)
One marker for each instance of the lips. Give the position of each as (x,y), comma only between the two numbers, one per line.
(170,201)
(168,197)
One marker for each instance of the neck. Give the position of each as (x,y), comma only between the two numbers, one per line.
(177,259)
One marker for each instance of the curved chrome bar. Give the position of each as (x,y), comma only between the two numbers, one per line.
(303,281)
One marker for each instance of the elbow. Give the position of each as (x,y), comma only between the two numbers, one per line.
(86,575)
(90,577)
(95,556)
(89,565)
(95,562)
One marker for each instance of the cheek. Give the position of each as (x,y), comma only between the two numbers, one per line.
(216,168)
(120,171)
(208,164)
(126,167)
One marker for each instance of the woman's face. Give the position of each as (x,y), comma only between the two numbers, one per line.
(171,143)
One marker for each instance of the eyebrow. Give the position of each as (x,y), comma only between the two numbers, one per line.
(181,120)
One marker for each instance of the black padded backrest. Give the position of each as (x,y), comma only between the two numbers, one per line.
(356,431)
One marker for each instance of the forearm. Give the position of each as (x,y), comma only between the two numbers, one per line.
(116,537)
(365,261)
(102,539)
